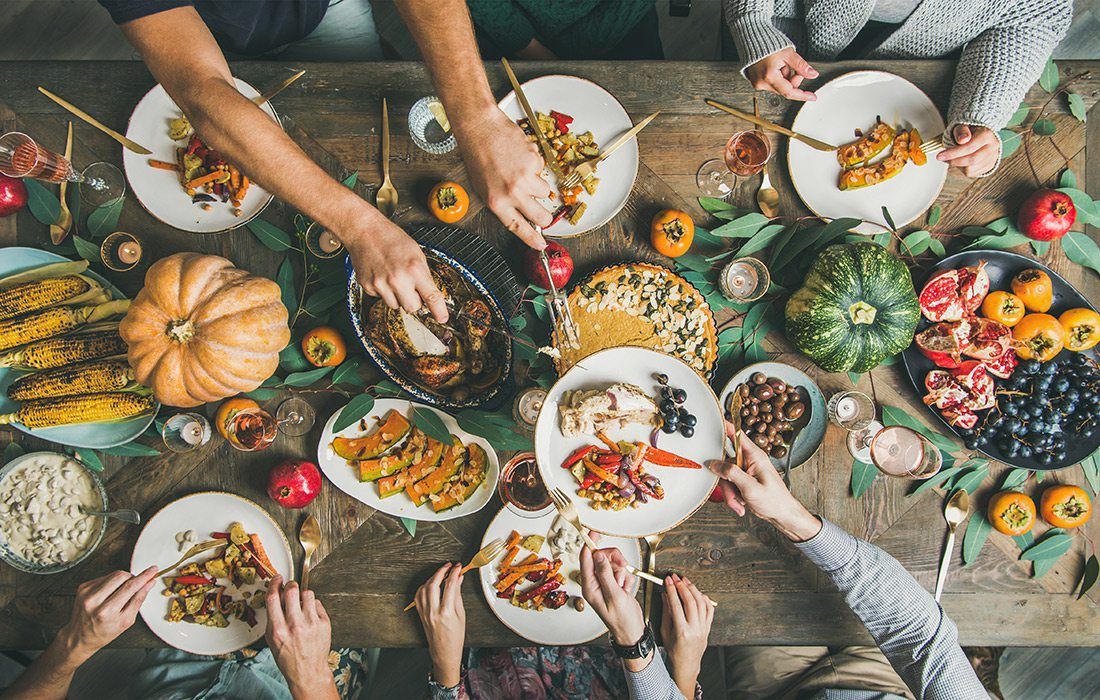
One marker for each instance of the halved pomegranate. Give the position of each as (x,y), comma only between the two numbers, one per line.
(988,339)
(961,418)
(943,342)
(1004,365)
(973,286)
(939,299)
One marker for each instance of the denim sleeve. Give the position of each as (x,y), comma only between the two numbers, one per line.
(910,627)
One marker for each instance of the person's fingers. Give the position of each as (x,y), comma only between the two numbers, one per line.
(534,211)
(433,298)
(125,592)
(975,159)
(800,66)
(674,608)
(292,602)
(384,293)
(950,155)
(784,88)
(962,134)
(751,452)
(605,573)
(730,472)
(408,298)
(435,585)
(309,604)
(590,587)
(796,80)
(103,588)
(275,619)
(320,611)
(697,600)
(686,600)
(732,497)
(452,592)
(516,222)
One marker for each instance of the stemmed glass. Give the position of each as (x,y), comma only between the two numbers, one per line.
(20,156)
(295,416)
(254,429)
(746,153)
(903,452)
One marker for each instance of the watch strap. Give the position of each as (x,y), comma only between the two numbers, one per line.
(637,650)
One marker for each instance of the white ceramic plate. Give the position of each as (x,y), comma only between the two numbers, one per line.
(685,489)
(850,102)
(566,625)
(593,109)
(809,438)
(159,191)
(92,435)
(343,477)
(206,512)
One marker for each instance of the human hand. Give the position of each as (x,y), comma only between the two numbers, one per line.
(505,168)
(389,264)
(685,627)
(976,152)
(759,488)
(300,637)
(439,604)
(604,584)
(105,608)
(782,72)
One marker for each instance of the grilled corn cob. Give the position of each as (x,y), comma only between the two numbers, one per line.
(86,408)
(86,378)
(33,296)
(57,352)
(54,322)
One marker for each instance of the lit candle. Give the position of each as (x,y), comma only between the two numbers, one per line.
(129,252)
(328,243)
(846,408)
(191,433)
(528,404)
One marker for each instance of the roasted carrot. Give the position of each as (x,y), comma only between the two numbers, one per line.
(509,558)
(212,177)
(614,446)
(506,582)
(163,165)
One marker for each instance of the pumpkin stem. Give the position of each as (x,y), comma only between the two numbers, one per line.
(180,330)
(862,312)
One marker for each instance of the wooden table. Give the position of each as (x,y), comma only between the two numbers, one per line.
(369,565)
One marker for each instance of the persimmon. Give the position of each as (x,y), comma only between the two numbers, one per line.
(1038,337)
(1034,288)
(1011,512)
(448,202)
(1082,328)
(1065,506)
(672,232)
(1003,307)
(324,347)
(229,409)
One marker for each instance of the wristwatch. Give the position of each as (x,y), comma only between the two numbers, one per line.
(637,650)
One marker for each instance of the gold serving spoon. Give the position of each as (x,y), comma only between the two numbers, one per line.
(310,537)
(60,230)
(955,513)
(386,198)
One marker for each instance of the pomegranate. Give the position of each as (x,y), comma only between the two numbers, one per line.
(13,195)
(561,266)
(943,342)
(973,286)
(949,295)
(1004,365)
(294,483)
(988,339)
(961,418)
(1046,215)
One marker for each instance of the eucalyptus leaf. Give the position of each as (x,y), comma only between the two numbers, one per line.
(889,219)
(1040,247)
(43,203)
(324,299)
(1000,225)
(916,242)
(978,231)
(1019,116)
(1088,576)
(131,449)
(287,291)
(262,394)
(732,334)
(1044,127)
(940,477)
(854,378)
(1025,540)
(496,428)
(104,219)
(307,378)
(410,526)
(934,215)
(292,359)
(1091,467)
(1077,106)
(270,235)
(693,261)
(714,204)
(86,249)
(1067,179)
(977,532)
(1010,142)
(350,180)
(863,475)
(1000,241)
(937,247)
(431,424)
(1048,79)
(1081,249)
(359,406)
(742,227)
(89,459)
(762,239)
(348,372)
(1014,478)
(1082,202)
(1052,546)
(972,479)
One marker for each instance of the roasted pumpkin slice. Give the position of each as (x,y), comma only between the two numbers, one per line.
(454,459)
(373,469)
(916,155)
(434,482)
(888,167)
(392,431)
(420,467)
(866,147)
(472,476)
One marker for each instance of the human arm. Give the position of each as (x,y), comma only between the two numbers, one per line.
(182,54)
(439,605)
(768,57)
(909,627)
(104,608)
(300,637)
(502,164)
(993,76)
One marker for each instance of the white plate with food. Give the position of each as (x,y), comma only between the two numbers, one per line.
(846,108)
(387,462)
(585,108)
(240,570)
(639,488)
(14,360)
(161,191)
(545,610)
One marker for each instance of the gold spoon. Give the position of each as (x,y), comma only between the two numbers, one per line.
(60,230)
(386,199)
(310,537)
(955,513)
(767,198)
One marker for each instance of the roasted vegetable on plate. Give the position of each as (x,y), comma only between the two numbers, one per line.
(539,577)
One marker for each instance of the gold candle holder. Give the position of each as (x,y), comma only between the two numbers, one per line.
(322,243)
(121,251)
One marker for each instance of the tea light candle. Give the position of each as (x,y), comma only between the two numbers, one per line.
(847,408)
(129,252)
(527,406)
(191,433)
(328,243)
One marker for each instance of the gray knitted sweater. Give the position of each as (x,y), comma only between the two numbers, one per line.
(1005,43)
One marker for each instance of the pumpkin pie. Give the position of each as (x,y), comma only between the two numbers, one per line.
(643,305)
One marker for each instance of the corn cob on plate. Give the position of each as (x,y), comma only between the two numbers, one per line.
(34,362)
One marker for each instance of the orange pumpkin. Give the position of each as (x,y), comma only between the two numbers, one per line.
(1038,337)
(448,202)
(1011,512)
(201,330)
(672,232)
(1065,506)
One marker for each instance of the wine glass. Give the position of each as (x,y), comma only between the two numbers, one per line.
(295,416)
(521,486)
(20,156)
(252,430)
(746,153)
(904,452)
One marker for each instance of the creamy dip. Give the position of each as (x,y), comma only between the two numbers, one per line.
(565,543)
(40,510)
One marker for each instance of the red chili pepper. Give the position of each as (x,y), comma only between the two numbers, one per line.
(606,459)
(561,121)
(538,590)
(642,486)
(506,594)
(666,459)
(219,535)
(577,456)
(560,213)
(193,580)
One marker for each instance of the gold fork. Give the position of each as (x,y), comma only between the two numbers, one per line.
(933,145)
(588,167)
(487,554)
(197,549)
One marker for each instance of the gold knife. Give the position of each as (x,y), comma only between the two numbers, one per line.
(808,140)
(735,418)
(59,230)
(261,100)
(547,152)
(131,145)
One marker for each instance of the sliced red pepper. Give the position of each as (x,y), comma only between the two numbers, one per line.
(578,455)
(643,486)
(507,593)
(193,581)
(667,459)
(538,590)
(607,460)
(589,480)
(219,535)
(561,121)
(601,472)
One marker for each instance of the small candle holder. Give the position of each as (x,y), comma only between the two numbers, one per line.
(526,408)
(121,251)
(744,279)
(428,132)
(322,243)
(184,432)
(851,410)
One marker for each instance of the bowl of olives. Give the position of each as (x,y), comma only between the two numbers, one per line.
(782,411)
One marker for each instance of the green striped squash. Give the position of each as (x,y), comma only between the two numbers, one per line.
(856,308)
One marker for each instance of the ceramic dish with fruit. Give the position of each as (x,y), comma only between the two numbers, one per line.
(1005,356)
